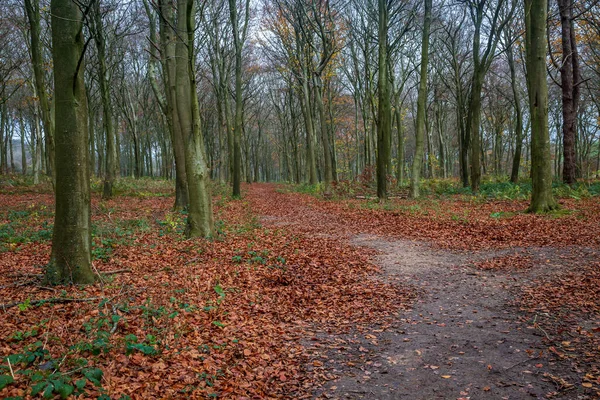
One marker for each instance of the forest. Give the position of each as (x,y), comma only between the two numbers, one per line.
(248,199)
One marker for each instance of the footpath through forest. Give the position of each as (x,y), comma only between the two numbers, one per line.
(505,308)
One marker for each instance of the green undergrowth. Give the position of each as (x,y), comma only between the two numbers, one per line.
(76,370)
(490,189)
(497,189)
(143,187)
(30,225)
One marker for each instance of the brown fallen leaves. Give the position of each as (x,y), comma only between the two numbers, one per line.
(224,317)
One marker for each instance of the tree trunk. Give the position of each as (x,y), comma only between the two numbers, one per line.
(536,12)
(109,172)
(328,167)
(200,220)
(238,41)
(36,144)
(23,150)
(168,60)
(308,122)
(473,127)
(514,176)
(384,110)
(400,150)
(421,99)
(569,72)
(32,9)
(70,261)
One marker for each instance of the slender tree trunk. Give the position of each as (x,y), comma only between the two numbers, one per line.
(32,9)
(308,122)
(238,41)
(23,149)
(400,166)
(384,117)
(328,167)
(200,216)
(514,176)
(109,173)
(36,143)
(70,261)
(10,133)
(536,12)
(569,80)
(3,127)
(421,109)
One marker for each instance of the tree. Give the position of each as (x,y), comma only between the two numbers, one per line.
(167,97)
(509,38)
(32,8)
(422,97)
(107,118)
(200,222)
(497,17)
(384,125)
(238,42)
(536,12)
(70,261)
(570,81)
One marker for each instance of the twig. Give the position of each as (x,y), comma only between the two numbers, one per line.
(520,362)
(59,300)
(536,325)
(10,367)
(542,329)
(114,328)
(117,271)
(98,273)
(19,274)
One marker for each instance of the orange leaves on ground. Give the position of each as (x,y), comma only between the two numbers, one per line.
(196,317)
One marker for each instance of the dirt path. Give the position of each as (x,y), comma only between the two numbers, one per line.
(461,340)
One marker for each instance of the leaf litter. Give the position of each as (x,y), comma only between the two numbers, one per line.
(230,317)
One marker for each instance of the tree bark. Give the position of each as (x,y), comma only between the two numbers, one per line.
(384,111)
(168,60)
(109,171)
(421,99)
(200,220)
(238,41)
(536,12)
(32,9)
(514,175)
(70,261)
(569,76)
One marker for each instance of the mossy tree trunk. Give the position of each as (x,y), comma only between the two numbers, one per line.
(536,12)
(70,261)
(200,216)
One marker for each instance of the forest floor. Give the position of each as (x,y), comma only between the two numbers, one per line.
(299,297)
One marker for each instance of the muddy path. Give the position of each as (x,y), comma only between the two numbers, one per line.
(463,338)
